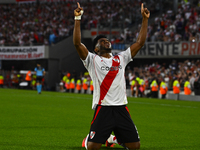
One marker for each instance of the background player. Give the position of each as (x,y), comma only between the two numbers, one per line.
(40,72)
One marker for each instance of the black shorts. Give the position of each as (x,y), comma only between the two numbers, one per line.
(113,118)
(39,79)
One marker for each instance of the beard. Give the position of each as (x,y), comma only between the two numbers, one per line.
(105,48)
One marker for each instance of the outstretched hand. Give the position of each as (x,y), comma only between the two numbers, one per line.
(145,12)
(77,11)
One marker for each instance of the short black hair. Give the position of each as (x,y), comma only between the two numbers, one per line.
(96,40)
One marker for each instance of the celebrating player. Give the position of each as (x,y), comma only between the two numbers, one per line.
(109,95)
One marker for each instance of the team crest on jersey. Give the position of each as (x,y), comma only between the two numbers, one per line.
(92,134)
(116,60)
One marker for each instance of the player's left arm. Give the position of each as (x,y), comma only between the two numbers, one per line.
(143,32)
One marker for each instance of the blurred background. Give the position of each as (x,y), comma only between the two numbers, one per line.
(40,31)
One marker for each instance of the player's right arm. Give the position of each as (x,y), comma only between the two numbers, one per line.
(81,49)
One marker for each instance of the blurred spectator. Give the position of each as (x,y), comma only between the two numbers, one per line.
(197,85)
(154,89)
(52,38)
(61,85)
(1,80)
(191,79)
(163,89)
(187,87)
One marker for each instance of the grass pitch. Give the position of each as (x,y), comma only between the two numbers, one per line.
(60,121)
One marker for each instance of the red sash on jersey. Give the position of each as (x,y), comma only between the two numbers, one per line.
(106,83)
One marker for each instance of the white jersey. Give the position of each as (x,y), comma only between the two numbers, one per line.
(108,75)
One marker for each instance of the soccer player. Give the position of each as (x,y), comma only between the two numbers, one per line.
(40,72)
(109,97)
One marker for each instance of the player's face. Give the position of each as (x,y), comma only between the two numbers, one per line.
(104,44)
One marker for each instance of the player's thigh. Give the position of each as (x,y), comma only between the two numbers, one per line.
(102,125)
(125,130)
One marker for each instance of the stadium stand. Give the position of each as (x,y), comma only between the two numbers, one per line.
(172,26)
(50,22)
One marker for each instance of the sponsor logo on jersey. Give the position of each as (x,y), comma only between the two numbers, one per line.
(112,68)
(116,60)
(92,134)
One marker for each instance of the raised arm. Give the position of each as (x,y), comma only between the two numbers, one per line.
(81,49)
(143,32)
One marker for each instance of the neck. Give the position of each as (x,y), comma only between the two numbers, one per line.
(106,55)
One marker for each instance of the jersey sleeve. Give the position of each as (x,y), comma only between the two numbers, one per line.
(89,59)
(126,55)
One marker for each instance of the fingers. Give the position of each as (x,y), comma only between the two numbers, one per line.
(146,10)
(142,7)
(78,5)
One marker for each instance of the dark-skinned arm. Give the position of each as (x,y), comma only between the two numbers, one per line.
(142,34)
(81,49)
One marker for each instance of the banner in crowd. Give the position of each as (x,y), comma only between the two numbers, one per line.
(22,52)
(164,49)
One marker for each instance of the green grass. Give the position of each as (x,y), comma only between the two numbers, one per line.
(60,121)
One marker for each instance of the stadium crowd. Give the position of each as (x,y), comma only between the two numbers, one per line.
(26,24)
(144,75)
(47,23)
(183,25)
(171,26)
(181,71)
